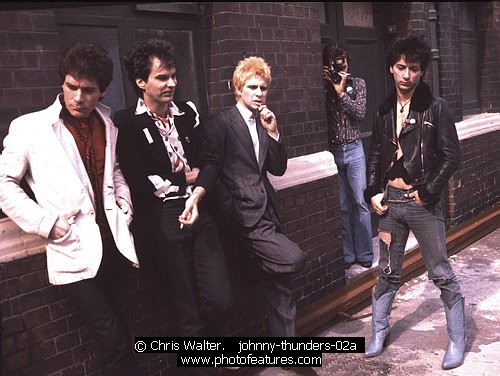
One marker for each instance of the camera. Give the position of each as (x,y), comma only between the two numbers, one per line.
(335,67)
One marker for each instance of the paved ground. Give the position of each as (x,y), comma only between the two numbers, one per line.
(418,338)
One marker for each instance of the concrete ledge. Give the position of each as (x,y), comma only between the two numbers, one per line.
(476,125)
(305,169)
(16,244)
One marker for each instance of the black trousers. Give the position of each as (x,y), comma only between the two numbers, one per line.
(100,302)
(195,269)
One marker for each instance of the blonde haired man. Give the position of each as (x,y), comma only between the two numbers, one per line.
(247,143)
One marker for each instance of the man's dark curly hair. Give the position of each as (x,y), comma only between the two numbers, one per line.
(139,59)
(332,52)
(413,48)
(89,61)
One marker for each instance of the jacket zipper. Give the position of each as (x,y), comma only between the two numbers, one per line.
(422,144)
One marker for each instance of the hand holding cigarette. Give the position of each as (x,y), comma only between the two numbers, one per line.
(268,120)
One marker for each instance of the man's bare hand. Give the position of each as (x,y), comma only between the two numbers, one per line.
(190,214)
(377,204)
(268,120)
(63,224)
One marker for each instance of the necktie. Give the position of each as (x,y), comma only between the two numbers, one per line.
(252,126)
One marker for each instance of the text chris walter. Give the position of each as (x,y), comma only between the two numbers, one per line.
(247,345)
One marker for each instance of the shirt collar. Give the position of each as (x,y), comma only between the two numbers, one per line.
(141,108)
(245,112)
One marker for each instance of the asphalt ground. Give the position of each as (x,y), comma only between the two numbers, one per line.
(418,338)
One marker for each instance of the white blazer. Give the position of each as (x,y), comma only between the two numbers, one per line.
(40,148)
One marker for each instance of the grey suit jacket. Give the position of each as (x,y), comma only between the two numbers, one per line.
(243,190)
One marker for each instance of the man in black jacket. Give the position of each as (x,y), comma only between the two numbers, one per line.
(169,166)
(414,152)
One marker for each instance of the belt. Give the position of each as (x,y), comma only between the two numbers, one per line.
(342,143)
(399,195)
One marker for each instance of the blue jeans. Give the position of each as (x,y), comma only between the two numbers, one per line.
(355,215)
(427,224)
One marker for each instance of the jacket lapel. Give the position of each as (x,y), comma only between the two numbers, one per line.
(110,150)
(240,128)
(149,131)
(69,145)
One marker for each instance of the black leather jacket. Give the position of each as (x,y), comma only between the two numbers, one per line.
(429,142)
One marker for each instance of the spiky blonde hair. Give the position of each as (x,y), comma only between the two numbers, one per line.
(246,69)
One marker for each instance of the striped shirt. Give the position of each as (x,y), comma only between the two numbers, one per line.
(345,114)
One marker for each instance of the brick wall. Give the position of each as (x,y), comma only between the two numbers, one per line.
(311,215)
(42,335)
(29,57)
(488,30)
(473,188)
(450,80)
(287,36)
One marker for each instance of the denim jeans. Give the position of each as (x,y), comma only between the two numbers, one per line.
(427,224)
(355,215)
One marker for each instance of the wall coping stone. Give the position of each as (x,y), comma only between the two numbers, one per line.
(16,244)
(476,125)
(307,168)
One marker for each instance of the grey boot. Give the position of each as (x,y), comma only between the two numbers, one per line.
(381,310)
(455,323)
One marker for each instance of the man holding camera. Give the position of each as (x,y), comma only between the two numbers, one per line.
(346,108)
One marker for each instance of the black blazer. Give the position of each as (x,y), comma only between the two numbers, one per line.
(243,189)
(138,158)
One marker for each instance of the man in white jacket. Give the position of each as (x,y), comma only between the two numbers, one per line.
(81,206)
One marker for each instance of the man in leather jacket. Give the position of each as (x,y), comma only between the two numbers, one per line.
(414,152)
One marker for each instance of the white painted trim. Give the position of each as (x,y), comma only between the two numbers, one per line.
(305,169)
(476,125)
